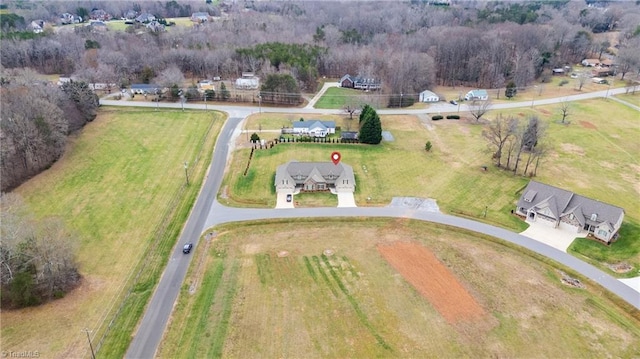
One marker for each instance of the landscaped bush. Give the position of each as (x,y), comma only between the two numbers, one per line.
(453,117)
(563,82)
(436,117)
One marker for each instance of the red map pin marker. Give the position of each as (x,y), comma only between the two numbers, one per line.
(335,157)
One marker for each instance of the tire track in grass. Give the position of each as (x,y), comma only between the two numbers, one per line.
(312,273)
(263,264)
(324,276)
(356,307)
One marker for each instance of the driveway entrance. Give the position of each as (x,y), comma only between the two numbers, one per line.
(555,237)
(345,199)
(281,200)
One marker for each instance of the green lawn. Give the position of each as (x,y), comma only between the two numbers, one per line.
(631,98)
(272,289)
(338,97)
(625,249)
(595,155)
(121,187)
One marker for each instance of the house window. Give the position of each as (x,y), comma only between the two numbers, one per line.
(602,233)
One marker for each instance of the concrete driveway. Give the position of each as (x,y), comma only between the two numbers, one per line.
(554,237)
(281,201)
(345,199)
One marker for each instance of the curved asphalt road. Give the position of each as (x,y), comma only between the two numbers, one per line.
(207,212)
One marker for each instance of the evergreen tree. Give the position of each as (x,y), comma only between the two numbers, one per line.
(366,113)
(511,90)
(370,127)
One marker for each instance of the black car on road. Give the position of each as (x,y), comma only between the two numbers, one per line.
(187,248)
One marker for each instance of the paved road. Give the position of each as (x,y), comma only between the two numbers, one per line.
(208,212)
(432,109)
(149,334)
(220,214)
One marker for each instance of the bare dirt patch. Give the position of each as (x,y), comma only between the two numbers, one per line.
(283,254)
(433,280)
(587,124)
(622,267)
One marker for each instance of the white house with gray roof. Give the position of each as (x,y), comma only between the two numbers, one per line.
(314,128)
(563,209)
(478,95)
(294,177)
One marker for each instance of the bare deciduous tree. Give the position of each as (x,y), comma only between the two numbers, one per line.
(479,108)
(497,133)
(565,110)
(40,252)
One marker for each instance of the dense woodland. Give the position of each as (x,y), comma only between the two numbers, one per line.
(410,46)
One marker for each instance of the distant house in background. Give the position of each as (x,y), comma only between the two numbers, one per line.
(145,89)
(603,71)
(68,18)
(130,15)
(360,83)
(428,96)
(314,128)
(64,79)
(204,85)
(155,26)
(37,26)
(145,17)
(477,95)
(590,62)
(98,26)
(200,17)
(558,71)
(99,14)
(294,176)
(248,81)
(559,208)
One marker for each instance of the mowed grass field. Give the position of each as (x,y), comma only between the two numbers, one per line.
(121,188)
(338,97)
(320,288)
(595,155)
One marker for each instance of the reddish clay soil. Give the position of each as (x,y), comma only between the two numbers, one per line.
(587,124)
(433,280)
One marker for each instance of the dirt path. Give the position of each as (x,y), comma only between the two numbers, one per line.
(433,280)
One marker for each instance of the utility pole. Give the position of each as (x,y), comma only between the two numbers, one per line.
(186,174)
(533,96)
(93,354)
(259,103)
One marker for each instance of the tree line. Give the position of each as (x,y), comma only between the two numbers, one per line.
(37,257)
(410,46)
(36,119)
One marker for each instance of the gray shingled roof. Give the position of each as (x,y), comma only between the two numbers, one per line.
(562,202)
(299,172)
